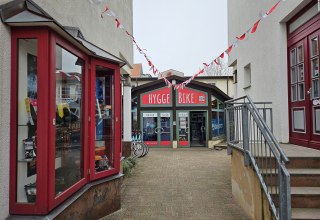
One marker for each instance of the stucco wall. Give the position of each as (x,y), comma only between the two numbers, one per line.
(246,189)
(86,16)
(266,52)
(4,117)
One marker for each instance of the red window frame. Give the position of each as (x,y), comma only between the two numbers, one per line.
(54,200)
(116,120)
(46,198)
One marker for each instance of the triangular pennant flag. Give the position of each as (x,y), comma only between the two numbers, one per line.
(222,55)
(118,22)
(228,51)
(205,64)
(255,26)
(242,37)
(273,8)
(216,62)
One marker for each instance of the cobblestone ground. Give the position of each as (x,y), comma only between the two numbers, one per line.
(179,184)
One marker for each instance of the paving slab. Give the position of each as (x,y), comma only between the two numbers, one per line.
(180,184)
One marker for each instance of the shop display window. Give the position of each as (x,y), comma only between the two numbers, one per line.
(104,129)
(218,121)
(58,103)
(27,121)
(69,108)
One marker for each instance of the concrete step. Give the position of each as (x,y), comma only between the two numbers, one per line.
(294,163)
(298,177)
(305,214)
(301,197)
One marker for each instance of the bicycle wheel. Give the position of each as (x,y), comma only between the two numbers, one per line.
(133,149)
(146,148)
(138,149)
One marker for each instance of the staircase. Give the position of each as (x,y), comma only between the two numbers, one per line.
(304,169)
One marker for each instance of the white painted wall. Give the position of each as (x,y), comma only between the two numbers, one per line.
(5,69)
(101,32)
(266,52)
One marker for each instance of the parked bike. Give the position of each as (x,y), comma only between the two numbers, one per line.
(138,147)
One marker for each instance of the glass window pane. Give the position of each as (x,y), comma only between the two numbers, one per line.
(293,57)
(215,124)
(314,47)
(301,91)
(27,120)
(221,123)
(69,148)
(294,93)
(165,129)
(293,75)
(183,128)
(315,67)
(104,143)
(300,73)
(315,88)
(300,54)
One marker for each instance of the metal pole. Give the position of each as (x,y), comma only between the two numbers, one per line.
(245,134)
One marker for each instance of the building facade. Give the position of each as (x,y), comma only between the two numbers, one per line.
(280,63)
(61,107)
(189,117)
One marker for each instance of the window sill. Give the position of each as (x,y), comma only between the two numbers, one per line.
(247,87)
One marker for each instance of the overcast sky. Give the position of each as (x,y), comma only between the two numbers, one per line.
(180,34)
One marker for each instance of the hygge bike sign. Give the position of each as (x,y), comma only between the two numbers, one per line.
(157,97)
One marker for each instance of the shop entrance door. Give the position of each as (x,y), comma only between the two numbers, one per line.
(157,129)
(198,129)
(183,129)
(304,91)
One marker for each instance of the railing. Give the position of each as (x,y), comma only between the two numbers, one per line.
(248,128)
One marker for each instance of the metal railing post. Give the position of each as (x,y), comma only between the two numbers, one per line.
(229,149)
(245,134)
(284,194)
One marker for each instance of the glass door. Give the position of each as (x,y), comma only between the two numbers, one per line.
(314,91)
(165,129)
(150,128)
(156,129)
(183,129)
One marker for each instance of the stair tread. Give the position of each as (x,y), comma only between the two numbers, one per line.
(305,213)
(301,190)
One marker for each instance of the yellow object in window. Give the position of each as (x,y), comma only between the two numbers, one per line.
(61,106)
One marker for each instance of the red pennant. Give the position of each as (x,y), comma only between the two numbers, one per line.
(216,62)
(150,63)
(107,8)
(201,71)
(242,37)
(222,55)
(255,26)
(205,64)
(273,8)
(118,23)
(229,49)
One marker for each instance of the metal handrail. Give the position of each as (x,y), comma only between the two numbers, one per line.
(248,131)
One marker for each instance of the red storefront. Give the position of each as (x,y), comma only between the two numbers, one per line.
(65,119)
(189,117)
(303,77)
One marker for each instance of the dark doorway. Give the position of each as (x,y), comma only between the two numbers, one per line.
(198,129)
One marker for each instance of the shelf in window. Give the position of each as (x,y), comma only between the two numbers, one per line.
(25,161)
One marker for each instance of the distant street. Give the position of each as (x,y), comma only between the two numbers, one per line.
(180,184)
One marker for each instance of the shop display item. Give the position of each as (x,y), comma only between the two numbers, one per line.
(31,192)
(29,149)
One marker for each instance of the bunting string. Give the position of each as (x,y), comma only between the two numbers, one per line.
(215,61)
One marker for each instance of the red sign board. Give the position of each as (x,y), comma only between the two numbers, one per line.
(157,97)
(191,97)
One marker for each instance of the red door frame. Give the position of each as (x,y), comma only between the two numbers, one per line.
(54,200)
(315,138)
(116,121)
(46,198)
(301,34)
(41,205)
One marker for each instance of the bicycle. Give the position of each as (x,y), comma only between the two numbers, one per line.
(138,147)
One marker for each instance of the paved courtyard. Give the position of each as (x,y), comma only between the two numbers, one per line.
(180,184)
